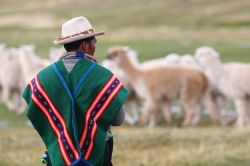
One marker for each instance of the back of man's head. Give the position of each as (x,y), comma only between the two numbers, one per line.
(74,46)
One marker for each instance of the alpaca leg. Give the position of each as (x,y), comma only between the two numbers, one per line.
(166,109)
(190,112)
(153,115)
(222,104)
(22,107)
(197,115)
(1,95)
(226,117)
(241,104)
(210,106)
(248,112)
(7,99)
(153,118)
(147,113)
(131,115)
(135,110)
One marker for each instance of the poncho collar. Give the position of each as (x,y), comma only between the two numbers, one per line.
(80,55)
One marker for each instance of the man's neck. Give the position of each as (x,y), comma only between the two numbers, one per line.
(85,55)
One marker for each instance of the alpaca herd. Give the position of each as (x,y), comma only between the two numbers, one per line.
(200,82)
(160,85)
(19,66)
(197,83)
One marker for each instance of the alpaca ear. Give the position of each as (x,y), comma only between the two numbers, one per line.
(212,52)
(130,52)
(126,48)
(204,51)
(215,54)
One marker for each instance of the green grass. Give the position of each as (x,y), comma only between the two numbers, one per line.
(152,28)
(117,14)
(148,49)
(9,120)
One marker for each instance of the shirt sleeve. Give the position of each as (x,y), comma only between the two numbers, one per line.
(119,117)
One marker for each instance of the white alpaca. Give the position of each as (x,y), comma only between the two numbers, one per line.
(10,79)
(31,64)
(231,79)
(160,85)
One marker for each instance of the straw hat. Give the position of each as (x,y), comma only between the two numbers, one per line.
(76,29)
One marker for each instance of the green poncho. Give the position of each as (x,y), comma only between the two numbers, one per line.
(97,94)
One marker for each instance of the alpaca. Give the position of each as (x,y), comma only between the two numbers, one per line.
(231,79)
(10,80)
(133,100)
(211,98)
(213,101)
(31,64)
(160,85)
(11,83)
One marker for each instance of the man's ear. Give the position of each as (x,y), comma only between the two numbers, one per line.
(85,46)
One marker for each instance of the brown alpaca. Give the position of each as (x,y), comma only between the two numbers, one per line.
(159,86)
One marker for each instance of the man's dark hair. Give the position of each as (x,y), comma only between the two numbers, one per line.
(76,44)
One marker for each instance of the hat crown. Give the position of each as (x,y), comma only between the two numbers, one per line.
(75,25)
(77,28)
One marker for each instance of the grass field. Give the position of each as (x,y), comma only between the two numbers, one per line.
(153,29)
(137,146)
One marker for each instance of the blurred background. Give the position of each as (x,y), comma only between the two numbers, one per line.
(153,29)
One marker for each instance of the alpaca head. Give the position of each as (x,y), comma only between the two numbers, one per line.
(120,55)
(188,59)
(27,50)
(206,55)
(172,58)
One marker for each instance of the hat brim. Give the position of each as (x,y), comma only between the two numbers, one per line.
(75,38)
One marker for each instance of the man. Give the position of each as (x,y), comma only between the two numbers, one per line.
(73,102)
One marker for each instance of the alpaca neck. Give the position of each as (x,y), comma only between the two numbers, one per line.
(215,71)
(217,68)
(131,69)
(27,65)
(134,76)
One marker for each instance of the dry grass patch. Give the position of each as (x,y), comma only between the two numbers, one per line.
(136,146)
